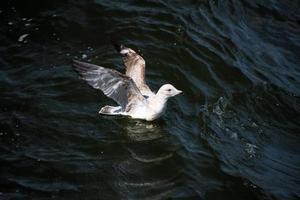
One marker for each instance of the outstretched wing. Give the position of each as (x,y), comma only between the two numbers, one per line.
(135,67)
(113,84)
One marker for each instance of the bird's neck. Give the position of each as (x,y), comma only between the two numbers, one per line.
(158,102)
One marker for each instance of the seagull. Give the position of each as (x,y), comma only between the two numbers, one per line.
(130,91)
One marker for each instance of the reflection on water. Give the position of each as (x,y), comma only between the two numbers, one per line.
(143,131)
(153,169)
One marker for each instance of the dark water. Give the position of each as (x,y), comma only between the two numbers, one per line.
(233,135)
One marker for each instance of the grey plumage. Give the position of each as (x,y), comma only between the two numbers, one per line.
(112,83)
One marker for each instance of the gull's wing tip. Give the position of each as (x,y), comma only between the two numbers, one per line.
(83,66)
(77,62)
(119,47)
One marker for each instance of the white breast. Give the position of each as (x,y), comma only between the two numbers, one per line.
(150,110)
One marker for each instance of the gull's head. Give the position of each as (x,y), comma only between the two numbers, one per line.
(168,91)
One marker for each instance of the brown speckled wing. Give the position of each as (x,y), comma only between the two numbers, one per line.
(135,67)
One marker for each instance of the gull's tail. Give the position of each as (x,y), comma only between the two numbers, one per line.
(111,110)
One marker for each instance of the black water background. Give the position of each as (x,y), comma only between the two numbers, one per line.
(234,134)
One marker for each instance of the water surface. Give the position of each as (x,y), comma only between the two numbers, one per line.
(234,134)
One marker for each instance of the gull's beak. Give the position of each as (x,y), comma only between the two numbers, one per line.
(179,92)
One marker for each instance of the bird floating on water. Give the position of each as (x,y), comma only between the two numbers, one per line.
(130,91)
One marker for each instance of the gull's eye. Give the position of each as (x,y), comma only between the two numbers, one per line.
(169,90)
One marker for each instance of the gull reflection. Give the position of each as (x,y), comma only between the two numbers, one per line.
(150,141)
(138,130)
(146,171)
